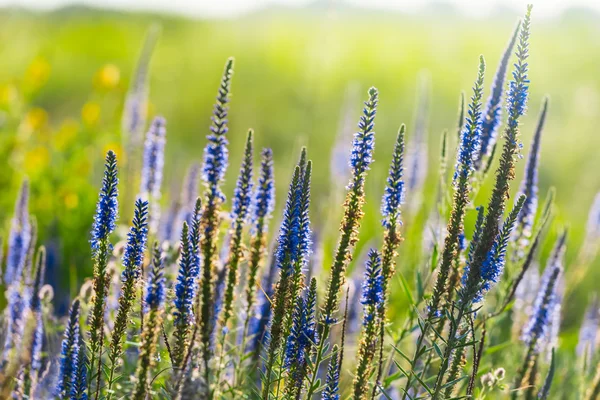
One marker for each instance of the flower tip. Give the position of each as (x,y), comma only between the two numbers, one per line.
(229,64)
(373,91)
(481,63)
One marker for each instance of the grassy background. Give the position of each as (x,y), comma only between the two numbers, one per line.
(63,76)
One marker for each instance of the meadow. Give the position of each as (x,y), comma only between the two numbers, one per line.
(444,295)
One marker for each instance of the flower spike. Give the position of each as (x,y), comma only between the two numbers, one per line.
(152,168)
(492,113)
(529,185)
(69,353)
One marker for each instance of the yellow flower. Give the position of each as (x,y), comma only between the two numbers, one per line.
(90,113)
(71,200)
(107,77)
(36,160)
(38,72)
(36,119)
(8,95)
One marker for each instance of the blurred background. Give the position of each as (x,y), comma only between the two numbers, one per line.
(302,70)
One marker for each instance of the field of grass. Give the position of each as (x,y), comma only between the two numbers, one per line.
(64,75)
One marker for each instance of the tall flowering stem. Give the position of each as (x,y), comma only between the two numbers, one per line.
(215,164)
(493,266)
(332,382)
(372,298)
(360,161)
(104,224)
(155,297)
(492,113)
(262,208)
(293,245)
(467,153)
(34,356)
(152,169)
(529,185)
(516,100)
(185,293)
(361,158)
(239,215)
(19,237)
(537,332)
(390,210)
(133,258)
(469,145)
(79,387)
(69,353)
(18,292)
(300,342)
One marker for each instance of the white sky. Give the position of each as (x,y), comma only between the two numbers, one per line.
(225,8)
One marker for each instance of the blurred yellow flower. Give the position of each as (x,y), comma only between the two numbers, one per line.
(90,113)
(66,133)
(36,119)
(36,160)
(38,72)
(71,200)
(8,94)
(107,77)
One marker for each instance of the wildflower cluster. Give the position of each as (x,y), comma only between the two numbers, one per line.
(214,311)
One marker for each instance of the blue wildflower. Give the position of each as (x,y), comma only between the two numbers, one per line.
(186,282)
(516,96)
(69,353)
(332,382)
(394,191)
(303,333)
(155,289)
(133,256)
(15,324)
(592,234)
(108,204)
(373,296)
(293,242)
(79,387)
(588,332)
(493,265)
(264,197)
(470,136)
(242,194)
(537,332)
(372,288)
(152,167)
(363,144)
(216,154)
(19,237)
(529,185)
(492,113)
(36,308)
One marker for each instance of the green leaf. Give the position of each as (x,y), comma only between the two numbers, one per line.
(543,394)
(438,351)
(406,289)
